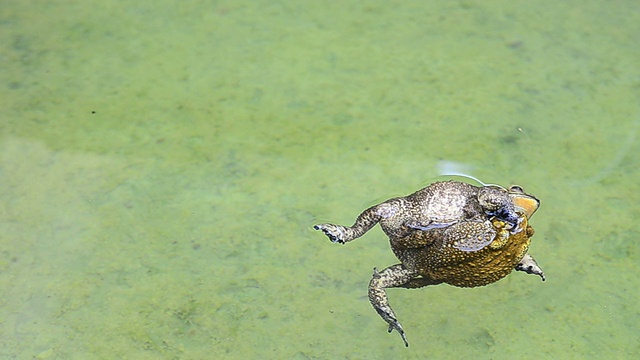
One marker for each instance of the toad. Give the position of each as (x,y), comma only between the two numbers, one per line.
(448,232)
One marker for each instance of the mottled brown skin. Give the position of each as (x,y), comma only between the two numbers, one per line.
(449,232)
(441,262)
(438,205)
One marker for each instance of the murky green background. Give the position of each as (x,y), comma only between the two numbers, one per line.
(162,163)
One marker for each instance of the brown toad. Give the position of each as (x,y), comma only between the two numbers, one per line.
(449,232)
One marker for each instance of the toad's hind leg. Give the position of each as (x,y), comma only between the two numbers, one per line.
(393,276)
(365,221)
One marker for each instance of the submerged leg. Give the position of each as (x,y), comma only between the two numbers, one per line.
(419,282)
(393,276)
(368,219)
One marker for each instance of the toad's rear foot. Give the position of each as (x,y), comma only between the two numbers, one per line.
(335,233)
(394,324)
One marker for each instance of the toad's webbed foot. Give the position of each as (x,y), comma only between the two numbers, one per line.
(393,276)
(335,233)
(389,211)
(529,265)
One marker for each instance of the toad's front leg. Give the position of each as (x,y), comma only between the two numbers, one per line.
(529,265)
(388,210)
(393,276)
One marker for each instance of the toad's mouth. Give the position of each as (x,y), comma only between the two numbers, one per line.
(525,204)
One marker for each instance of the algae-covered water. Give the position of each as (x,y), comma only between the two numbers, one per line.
(162,164)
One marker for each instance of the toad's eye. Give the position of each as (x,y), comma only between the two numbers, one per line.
(516,188)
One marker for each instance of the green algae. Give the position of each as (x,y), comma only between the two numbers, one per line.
(162,165)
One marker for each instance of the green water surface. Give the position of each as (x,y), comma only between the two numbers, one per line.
(162,164)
